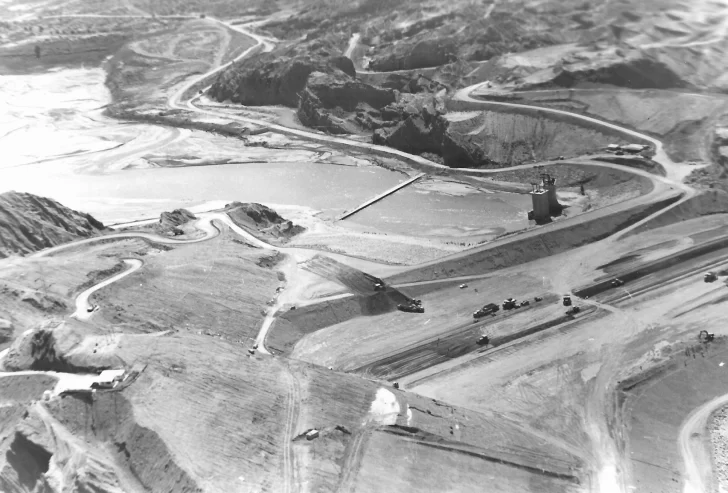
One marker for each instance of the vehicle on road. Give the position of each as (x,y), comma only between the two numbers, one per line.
(488,309)
(573,311)
(91,308)
(619,153)
(560,158)
(710,277)
(617,282)
(567,300)
(483,341)
(463,286)
(379,286)
(525,303)
(509,303)
(538,298)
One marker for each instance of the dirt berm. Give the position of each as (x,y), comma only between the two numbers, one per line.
(703,204)
(509,252)
(291,326)
(530,111)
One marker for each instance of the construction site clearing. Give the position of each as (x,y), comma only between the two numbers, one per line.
(362,247)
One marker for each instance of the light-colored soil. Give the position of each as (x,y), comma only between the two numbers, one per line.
(718,428)
(428,469)
(218,287)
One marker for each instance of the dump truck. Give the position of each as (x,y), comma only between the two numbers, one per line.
(567,300)
(486,310)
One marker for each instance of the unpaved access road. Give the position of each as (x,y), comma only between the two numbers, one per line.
(695,454)
(84,309)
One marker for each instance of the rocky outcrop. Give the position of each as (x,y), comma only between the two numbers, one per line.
(260,218)
(328,97)
(29,223)
(426,53)
(169,221)
(338,90)
(276,77)
(640,73)
(424,130)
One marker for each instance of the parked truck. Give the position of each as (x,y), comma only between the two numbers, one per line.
(486,310)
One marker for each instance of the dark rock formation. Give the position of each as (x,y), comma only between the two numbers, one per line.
(169,221)
(260,218)
(29,223)
(426,53)
(277,77)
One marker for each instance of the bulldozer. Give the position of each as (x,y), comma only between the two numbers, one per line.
(573,311)
(705,336)
(509,304)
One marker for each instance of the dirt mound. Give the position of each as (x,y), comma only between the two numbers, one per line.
(29,223)
(260,218)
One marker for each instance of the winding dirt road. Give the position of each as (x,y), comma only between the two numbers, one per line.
(84,309)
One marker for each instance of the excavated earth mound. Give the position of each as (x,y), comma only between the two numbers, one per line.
(29,223)
(260,218)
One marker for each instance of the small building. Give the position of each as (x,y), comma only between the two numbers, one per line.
(540,200)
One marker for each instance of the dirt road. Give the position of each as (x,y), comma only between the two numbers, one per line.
(696,456)
(204,225)
(84,308)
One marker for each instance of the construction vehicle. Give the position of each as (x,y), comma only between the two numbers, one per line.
(567,300)
(710,277)
(617,282)
(379,286)
(509,304)
(538,298)
(483,341)
(411,307)
(525,303)
(573,311)
(705,336)
(463,286)
(486,310)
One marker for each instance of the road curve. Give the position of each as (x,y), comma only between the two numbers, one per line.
(696,459)
(204,225)
(82,304)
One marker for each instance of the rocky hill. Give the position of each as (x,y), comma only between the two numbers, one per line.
(29,223)
(262,219)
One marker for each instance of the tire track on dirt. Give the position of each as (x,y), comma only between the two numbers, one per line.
(352,462)
(290,483)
